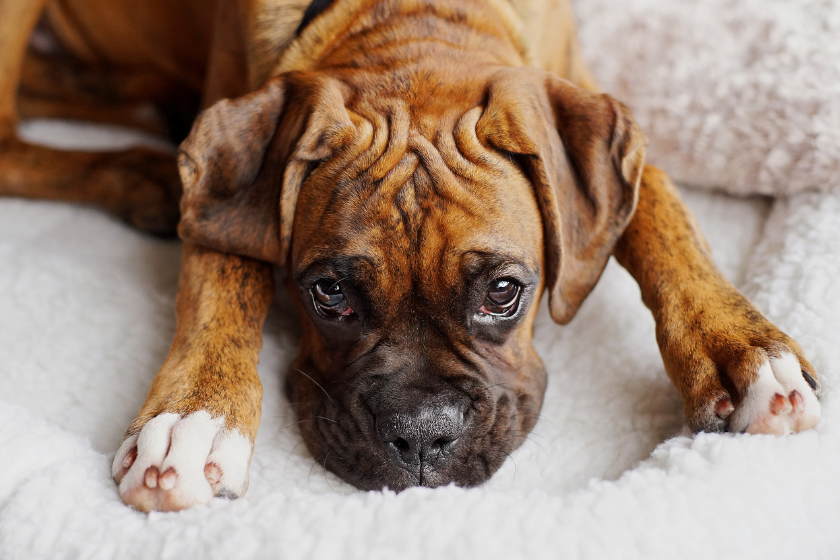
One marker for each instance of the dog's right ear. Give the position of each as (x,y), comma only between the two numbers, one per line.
(245,160)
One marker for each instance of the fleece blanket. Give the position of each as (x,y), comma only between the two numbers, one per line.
(742,95)
(86,317)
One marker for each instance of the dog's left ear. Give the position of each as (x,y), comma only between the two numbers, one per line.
(585,154)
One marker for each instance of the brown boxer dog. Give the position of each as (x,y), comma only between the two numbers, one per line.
(423,171)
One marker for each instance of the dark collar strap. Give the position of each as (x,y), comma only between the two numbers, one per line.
(312,11)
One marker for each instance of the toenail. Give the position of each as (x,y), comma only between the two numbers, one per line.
(779,404)
(168,479)
(151,477)
(129,459)
(212,472)
(811,381)
(724,407)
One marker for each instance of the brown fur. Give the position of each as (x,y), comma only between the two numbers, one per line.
(413,143)
(212,365)
(711,337)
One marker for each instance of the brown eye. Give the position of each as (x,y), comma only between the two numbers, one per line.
(502,297)
(329,299)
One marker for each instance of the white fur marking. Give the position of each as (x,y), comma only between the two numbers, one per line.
(192,439)
(232,454)
(152,444)
(757,402)
(789,373)
(184,445)
(782,376)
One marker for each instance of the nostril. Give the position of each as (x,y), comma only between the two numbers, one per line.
(401,445)
(425,436)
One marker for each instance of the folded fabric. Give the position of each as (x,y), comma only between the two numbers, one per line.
(742,95)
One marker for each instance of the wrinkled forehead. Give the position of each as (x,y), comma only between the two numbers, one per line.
(436,209)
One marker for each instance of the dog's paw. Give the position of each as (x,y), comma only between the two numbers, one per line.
(176,462)
(768,389)
(780,401)
(736,371)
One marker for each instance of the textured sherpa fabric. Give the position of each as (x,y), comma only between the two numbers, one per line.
(86,317)
(742,95)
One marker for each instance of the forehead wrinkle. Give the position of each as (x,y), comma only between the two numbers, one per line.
(397,121)
(452,157)
(461,149)
(356,159)
(414,184)
(373,204)
(394,134)
(403,178)
(438,179)
(466,139)
(376,136)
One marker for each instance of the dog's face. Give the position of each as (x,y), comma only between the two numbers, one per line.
(418,292)
(417,240)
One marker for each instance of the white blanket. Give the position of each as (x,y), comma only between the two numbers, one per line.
(86,317)
(743,95)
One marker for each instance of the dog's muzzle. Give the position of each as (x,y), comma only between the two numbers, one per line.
(422,440)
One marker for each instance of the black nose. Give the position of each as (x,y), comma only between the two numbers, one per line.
(424,438)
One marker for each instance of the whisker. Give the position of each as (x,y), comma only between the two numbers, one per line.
(535,442)
(309,478)
(325,474)
(289,458)
(354,386)
(526,434)
(296,423)
(539,416)
(499,385)
(514,468)
(316,383)
(310,420)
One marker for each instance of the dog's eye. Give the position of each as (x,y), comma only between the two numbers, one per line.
(502,297)
(329,299)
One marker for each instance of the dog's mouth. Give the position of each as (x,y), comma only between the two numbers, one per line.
(396,436)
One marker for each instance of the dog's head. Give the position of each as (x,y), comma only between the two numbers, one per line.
(418,231)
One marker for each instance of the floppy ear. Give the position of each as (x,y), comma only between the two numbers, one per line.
(585,155)
(245,160)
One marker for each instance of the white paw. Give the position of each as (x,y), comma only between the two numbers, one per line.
(175,463)
(779,401)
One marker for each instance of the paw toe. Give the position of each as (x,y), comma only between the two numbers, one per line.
(724,407)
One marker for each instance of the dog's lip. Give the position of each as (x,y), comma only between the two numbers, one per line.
(398,479)
(377,471)
(358,456)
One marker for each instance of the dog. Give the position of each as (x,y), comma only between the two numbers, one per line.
(423,171)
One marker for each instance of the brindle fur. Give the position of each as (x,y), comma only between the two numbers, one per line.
(410,146)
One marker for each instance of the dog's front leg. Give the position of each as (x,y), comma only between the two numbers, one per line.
(194,435)
(734,369)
